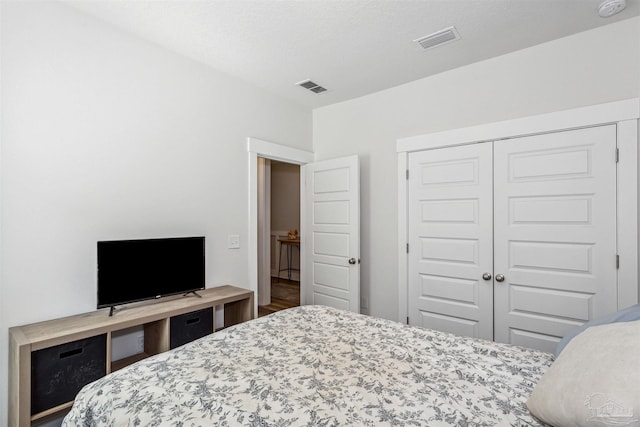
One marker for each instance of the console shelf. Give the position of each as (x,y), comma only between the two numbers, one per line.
(154,316)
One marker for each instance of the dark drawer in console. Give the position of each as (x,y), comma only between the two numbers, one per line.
(190,326)
(58,373)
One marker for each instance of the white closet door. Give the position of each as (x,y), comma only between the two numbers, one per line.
(450,240)
(555,228)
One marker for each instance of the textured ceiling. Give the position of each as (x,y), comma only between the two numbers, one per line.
(351,47)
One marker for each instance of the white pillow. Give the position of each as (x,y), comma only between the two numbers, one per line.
(594,382)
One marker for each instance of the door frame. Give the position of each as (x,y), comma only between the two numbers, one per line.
(624,114)
(269,150)
(263,295)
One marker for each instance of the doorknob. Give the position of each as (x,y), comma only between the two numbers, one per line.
(352,261)
(486,276)
(499,277)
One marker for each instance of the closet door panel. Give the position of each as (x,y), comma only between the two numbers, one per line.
(450,239)
(555,228)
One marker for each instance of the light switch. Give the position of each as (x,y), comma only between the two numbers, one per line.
(233,241)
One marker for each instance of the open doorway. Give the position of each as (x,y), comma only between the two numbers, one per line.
(330,194)
(278,236)
(256,149)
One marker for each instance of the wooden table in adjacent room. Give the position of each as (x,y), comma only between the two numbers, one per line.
(290,244)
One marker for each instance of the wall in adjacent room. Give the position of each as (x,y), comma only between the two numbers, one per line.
(588,68)
(107,136)
(285,196)
(285,210)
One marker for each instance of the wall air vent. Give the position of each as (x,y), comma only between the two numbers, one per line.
(438,38)
(313,87)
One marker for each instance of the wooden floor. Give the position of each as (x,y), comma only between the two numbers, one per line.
(284,294)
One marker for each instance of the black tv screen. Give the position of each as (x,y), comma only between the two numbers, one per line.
(135,270)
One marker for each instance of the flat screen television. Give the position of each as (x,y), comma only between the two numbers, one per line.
(136,270)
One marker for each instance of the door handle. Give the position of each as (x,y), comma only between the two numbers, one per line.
(499,277)
(352,261)
(486,276)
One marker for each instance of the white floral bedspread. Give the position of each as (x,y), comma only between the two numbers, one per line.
(318,366)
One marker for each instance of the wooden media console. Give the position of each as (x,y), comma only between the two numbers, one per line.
(85,340)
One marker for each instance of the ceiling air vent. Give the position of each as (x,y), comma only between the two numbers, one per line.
(438,38)
(313,87)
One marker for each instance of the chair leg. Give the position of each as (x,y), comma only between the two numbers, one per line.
(279,261)
(289,259)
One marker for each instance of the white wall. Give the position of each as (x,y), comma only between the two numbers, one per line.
(107,136)
(596,66)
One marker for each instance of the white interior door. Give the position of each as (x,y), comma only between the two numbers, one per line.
(451,240)
(331,238)
(555,234)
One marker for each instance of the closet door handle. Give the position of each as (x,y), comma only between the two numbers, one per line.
(352,261)
(486,276)
(499,277)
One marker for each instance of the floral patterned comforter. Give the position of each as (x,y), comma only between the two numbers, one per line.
(318,366)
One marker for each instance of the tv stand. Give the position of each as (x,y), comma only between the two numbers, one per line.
(113,307)
(80,331)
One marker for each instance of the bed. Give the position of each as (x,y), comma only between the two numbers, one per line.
(315,365)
